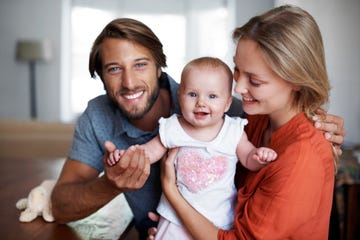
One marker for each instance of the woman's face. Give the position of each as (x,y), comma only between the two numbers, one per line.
(261,89)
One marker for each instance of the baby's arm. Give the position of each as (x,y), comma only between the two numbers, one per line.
(251,157)
(114,157)
(154,150)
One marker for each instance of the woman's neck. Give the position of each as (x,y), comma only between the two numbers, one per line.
(276,121)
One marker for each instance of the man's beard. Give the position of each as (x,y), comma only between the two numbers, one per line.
(137,113)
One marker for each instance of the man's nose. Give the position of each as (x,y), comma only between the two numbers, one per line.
(128,79)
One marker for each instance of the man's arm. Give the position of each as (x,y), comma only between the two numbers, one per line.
(79,191)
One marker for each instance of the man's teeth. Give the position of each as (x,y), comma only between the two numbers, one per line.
(133,96)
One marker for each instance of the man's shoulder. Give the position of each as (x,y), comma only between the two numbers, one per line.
(100,104)
(100,110)
(102,100)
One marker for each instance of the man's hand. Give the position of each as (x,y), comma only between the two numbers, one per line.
(333,126)
(131,172)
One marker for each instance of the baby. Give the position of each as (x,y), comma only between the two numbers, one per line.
(211,143)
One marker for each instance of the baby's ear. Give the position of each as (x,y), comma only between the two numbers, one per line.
(228,104)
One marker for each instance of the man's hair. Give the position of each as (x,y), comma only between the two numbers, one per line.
(129,29)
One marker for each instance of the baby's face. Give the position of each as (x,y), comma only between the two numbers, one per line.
(204,96)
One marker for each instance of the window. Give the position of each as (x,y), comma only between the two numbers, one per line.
(187,30)
(86,24)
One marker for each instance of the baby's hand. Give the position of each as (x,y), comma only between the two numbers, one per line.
(265,155)
(114,157)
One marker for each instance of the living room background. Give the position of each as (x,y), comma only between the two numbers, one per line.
(38,19)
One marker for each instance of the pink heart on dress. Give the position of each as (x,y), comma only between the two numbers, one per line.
(197,171)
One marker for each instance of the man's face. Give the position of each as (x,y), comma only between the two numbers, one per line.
(130,76)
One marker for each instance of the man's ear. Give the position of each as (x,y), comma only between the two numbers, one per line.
(158,72)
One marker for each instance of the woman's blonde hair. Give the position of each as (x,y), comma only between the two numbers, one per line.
(291,44)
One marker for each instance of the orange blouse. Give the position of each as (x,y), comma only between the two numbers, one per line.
(290,198)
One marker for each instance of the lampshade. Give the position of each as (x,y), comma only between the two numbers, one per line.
(33,50)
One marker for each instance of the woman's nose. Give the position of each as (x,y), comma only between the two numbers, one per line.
(240,84)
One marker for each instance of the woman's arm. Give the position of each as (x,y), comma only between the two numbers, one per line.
(188,215)
(276,203)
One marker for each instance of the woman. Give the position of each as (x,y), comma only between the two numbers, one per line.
(281,75)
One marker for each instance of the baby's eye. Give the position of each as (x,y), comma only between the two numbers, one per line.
(192,94)
(212,96)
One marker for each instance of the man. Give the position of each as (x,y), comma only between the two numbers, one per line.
(128,58)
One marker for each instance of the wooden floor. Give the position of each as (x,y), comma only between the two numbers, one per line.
(19,176)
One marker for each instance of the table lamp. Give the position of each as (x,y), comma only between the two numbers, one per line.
(32,51)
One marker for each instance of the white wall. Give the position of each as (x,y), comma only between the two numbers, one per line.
(339,24)
(338,21)
(29,19)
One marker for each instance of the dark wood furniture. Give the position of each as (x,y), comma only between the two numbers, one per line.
(352,212)
(347,197)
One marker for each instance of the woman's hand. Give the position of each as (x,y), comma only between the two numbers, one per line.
(168,176)
(152,231)
(168,181)
(333,126)
(197,225)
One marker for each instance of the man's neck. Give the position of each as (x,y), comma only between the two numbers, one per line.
(161,108)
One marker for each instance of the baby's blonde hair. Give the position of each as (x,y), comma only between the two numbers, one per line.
(211,63)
